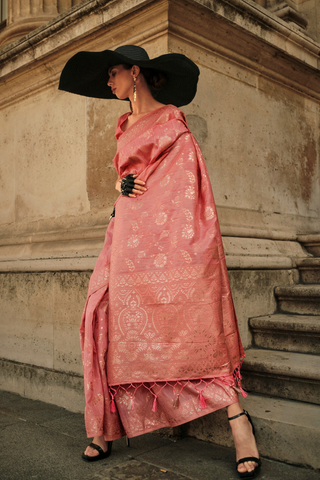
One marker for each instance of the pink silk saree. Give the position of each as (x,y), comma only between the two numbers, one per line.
(159,335)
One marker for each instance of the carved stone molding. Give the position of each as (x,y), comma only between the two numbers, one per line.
(289,14)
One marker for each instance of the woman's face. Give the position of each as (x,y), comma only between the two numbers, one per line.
(120,81)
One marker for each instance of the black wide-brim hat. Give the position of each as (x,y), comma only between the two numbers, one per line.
(86,73)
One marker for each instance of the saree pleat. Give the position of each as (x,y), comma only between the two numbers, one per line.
(159,335)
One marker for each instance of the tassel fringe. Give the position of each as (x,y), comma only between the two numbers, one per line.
(176,401)
(113,406)
(237,377)
(233,380)
(154,406)
(202,401)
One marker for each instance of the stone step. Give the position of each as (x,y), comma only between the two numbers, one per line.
(289,333)
(286,430)
(301,299)
(311,243)
(309,269)
(295,376)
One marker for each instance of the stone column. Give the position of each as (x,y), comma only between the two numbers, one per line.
(23,16)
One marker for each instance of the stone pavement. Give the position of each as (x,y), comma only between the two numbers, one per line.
(43,442)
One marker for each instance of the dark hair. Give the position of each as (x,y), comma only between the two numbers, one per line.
(155,80)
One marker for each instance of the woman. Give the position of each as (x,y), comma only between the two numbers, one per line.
(159,335)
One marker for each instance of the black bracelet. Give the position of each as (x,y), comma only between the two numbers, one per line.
(127,185)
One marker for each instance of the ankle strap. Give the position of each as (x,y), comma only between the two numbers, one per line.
(239,415)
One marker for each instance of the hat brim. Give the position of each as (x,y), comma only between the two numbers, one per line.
(86,73)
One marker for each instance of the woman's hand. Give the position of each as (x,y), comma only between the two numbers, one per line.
(130,186)
(139,187)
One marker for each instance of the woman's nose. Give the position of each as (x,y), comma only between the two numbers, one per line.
(108,82)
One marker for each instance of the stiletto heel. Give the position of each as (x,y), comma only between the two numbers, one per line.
(254,472)
(101,455)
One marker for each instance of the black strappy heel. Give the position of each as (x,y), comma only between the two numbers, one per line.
(247,459)
(101,455)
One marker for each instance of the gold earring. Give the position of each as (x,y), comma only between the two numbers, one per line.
(134,89)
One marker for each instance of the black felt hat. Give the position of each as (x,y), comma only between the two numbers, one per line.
(86,73)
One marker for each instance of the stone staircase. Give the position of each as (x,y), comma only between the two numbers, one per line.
(282,369)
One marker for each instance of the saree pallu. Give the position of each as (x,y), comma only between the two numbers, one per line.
(159,334)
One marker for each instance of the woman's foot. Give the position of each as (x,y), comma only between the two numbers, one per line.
(244,439)
(100,441)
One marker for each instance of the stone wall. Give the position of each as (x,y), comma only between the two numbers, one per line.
(39,330)
(256,117)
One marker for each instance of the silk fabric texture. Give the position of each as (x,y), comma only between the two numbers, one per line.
(159,330)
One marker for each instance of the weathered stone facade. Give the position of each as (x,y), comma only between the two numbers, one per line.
(256,116)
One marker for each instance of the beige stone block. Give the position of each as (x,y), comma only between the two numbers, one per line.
(7,170)
(50,249)
(286,430)
(69,299)
(67,351)
(26,328)
(311,243)
(286,226)
(244,262)
(59,388)
(12,377)
(102,116)
(62,389)
(211,428)
(302,54)
(49,265)
(283,374)
(280,93)
(204,46)
(70,292)
(253,295)
(10,252)
(289,333)
(41,315)
(56,249)
(254,164)
(278,40)
(310,9)
(49,156)
(254,246)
